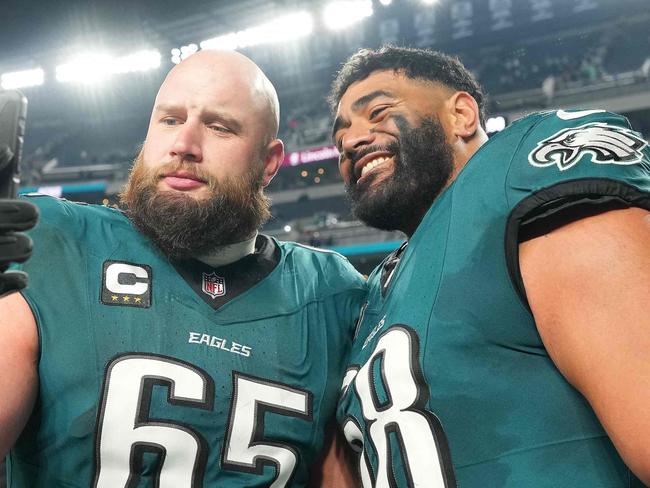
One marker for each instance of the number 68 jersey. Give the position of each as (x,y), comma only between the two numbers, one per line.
(178,375)
(449,382)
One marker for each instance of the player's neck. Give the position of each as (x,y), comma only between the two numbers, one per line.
(230,253)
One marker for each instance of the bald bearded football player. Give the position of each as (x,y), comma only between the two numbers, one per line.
(171,345)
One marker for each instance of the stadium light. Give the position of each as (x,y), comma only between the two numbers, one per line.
(184,52)
(92,67)
(22,79)
(226,41)
(85,68)
(286,28)
(385,3)
(340,14)
(495,124)
(138,61)
(429,2)
(176,55)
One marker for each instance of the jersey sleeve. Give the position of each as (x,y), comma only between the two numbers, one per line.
(574,162)
(568,166)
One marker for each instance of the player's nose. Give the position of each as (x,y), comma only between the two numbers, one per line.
(187,143)
(356,139)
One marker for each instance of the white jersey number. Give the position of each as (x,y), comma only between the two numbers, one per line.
(252,397)
(421,441)
(125,431)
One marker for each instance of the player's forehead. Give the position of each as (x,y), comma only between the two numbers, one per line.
(211,84)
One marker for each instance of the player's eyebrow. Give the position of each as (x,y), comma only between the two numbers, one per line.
(166,107)
(206,116)
(358,104)
(219,116)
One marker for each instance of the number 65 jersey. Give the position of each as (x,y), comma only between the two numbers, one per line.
(449,382)
(178,375)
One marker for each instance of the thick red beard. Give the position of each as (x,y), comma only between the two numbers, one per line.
(183,226)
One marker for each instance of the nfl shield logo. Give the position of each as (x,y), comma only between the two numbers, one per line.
(214,285)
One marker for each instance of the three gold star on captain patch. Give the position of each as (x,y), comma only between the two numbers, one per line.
(125,299)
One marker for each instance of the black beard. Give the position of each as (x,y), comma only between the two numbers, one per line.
(183,227)
(423,165)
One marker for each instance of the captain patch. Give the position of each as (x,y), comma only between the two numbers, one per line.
(126,284)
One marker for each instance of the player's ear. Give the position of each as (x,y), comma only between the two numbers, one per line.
(273,156)
(465,114)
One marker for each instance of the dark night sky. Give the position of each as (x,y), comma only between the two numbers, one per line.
(35,26)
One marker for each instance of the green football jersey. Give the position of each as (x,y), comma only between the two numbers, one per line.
(449,382)
(177,375)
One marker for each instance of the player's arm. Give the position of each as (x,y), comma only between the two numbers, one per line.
(18,367)
(18,334)
(588,285)
(334,468)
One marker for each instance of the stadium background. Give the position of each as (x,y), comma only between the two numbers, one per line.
(91,70)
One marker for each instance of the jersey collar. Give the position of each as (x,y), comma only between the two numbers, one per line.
(219,285)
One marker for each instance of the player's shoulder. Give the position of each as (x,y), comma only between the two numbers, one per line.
(563,139)
(550,120)
(72,218)
(61,208)
(562,147)
(553,119)
(304,255)
(328,268)
(548,123)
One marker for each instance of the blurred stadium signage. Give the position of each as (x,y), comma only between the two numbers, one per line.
(312,155)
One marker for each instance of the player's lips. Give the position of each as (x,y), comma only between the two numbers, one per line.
(183,180)
(369,162)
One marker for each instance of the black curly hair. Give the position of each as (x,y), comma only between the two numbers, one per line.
(425,64)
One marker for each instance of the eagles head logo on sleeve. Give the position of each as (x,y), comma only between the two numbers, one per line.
(607,144)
